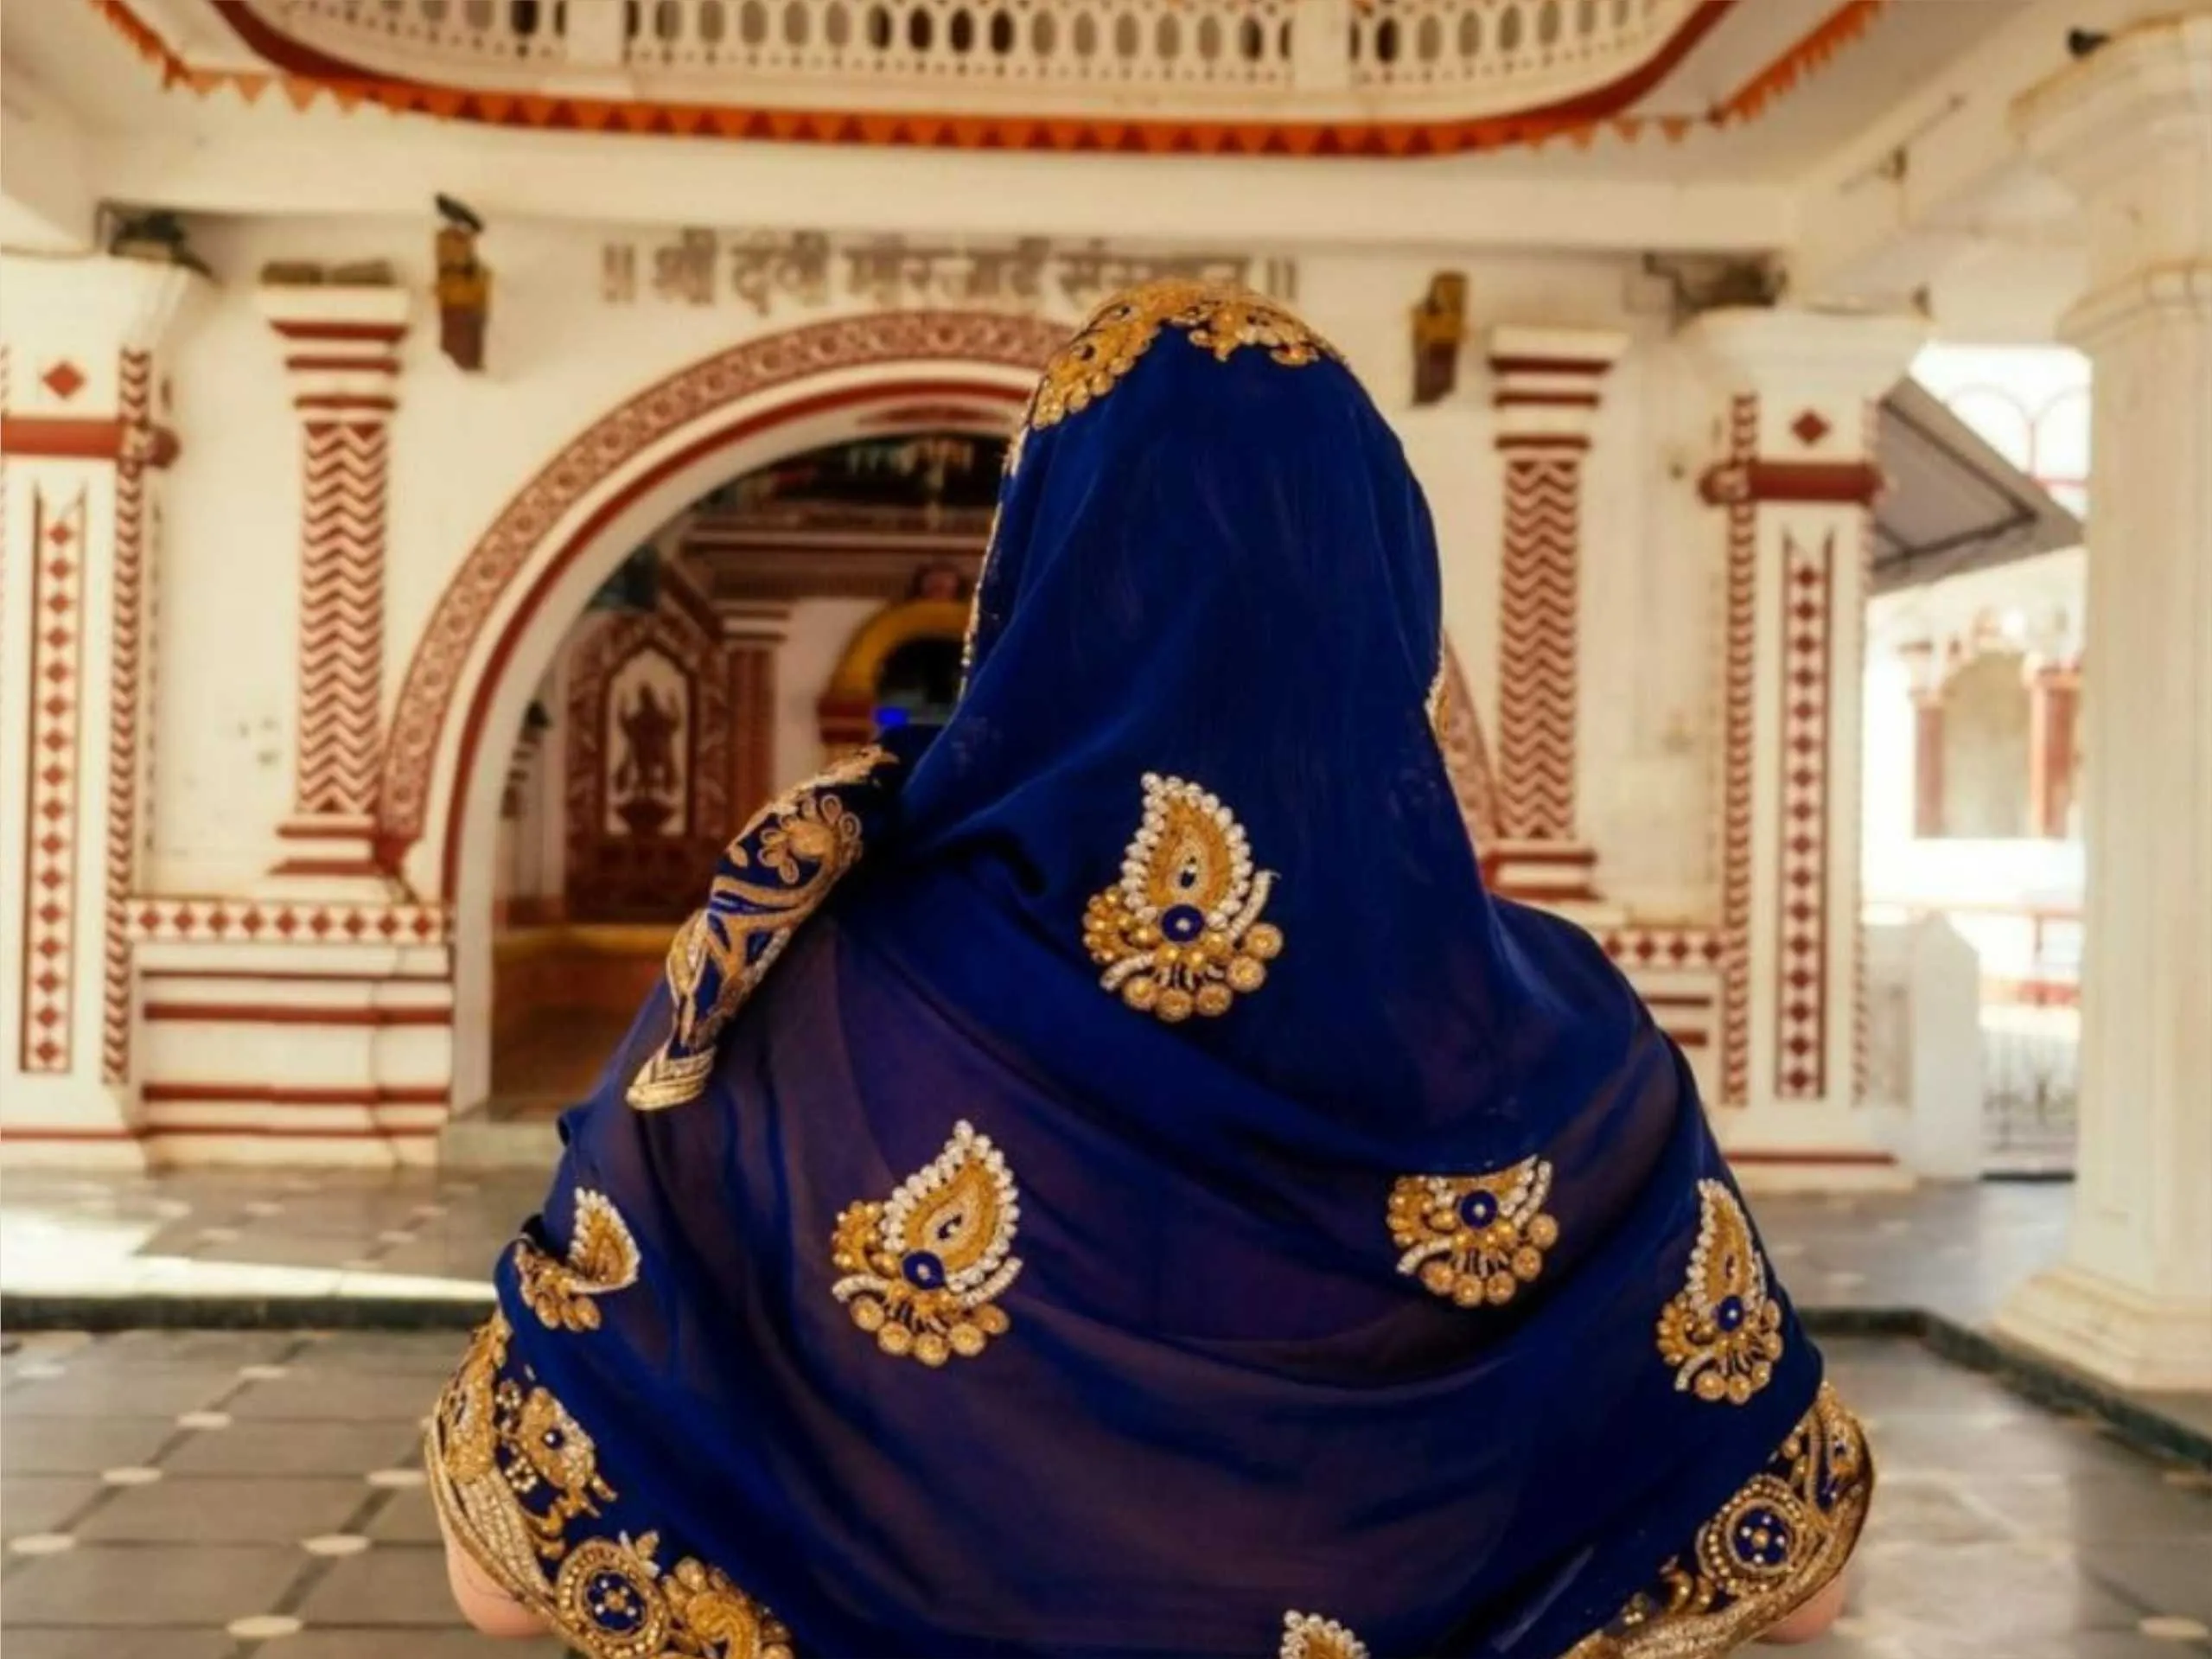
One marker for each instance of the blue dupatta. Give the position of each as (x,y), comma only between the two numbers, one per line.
(1158,1203)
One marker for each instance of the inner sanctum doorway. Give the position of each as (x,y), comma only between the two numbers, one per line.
(775,622)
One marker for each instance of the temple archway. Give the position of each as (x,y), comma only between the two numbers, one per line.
(474,670)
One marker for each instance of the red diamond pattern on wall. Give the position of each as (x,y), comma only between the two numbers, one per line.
(1809,427)
(1801,1028)
(50,871)
(64,380)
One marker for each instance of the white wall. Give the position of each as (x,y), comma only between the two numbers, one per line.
(815,639)
(1649,598)
(560,358)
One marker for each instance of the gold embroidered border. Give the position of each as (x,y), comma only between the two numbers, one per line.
(772,876)
(511,1473)
(1220,318)
(1768,1550)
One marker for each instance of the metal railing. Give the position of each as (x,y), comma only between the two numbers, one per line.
(1478,55)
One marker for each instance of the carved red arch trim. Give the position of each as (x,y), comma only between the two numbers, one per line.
(504,553)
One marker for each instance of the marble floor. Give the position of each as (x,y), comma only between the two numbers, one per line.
(1954,1250)
(194,1494)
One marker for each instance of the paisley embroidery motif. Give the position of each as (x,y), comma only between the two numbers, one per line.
(1309,1636)
(1474,1238)
(514,1475)
(770,879)
(1218,318)
(602,1258)
(923,1270)
(1722,1332)
(1181,933)
(1785,1533)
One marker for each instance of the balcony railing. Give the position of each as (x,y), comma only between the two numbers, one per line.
(1274,58)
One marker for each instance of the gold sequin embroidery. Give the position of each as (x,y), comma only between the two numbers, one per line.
(1474,1238)
(770,878)
(1220,318)
(1769,1549)
(923,1270)
(1722,1331)
(513,1474)
(1180,934)
(975,599)
(602,1258)
(1309,1636)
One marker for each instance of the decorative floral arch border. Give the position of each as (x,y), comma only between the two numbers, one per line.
(507,554)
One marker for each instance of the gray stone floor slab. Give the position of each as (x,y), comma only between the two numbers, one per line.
(2003,1592)
(1999,1531)
(42,1503)
(2112,1509)
(78,1446)
(149,1391)
(325,1388)
(280,1448)
(429,1355)
(228,1348)
(397,1584)
(409,1518)
(24,1642)
(1917,1511)
(372,1642)
(2049,1444)
(186,1509)
(1964,1644)
(2172,1575)
(122,1584)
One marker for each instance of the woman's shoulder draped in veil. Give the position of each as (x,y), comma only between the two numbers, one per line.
(1158,1203)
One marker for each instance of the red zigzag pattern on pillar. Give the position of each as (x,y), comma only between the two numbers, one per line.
(342,619)
(1537,646)
(1741,635)
(127,636)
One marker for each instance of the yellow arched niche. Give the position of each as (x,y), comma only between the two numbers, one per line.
(847,709)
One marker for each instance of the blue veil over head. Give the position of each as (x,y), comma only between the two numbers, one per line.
(1112,1182)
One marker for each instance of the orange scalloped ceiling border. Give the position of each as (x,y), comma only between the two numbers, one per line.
(304,77)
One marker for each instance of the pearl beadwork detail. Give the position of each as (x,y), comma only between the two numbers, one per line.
(922,1270)
(1722,1331)
(1181,931)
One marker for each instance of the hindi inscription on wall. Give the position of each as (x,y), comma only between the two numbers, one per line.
(768,270)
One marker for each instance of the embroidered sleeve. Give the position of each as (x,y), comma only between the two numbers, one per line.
(767,881)
(1768,1550)
(519,1484)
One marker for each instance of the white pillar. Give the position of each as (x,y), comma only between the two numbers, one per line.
(86,443)
(1547,387)
(341,348)
(2129,129)
(1796,482)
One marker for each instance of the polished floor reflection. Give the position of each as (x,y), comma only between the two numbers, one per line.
(211,1496)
